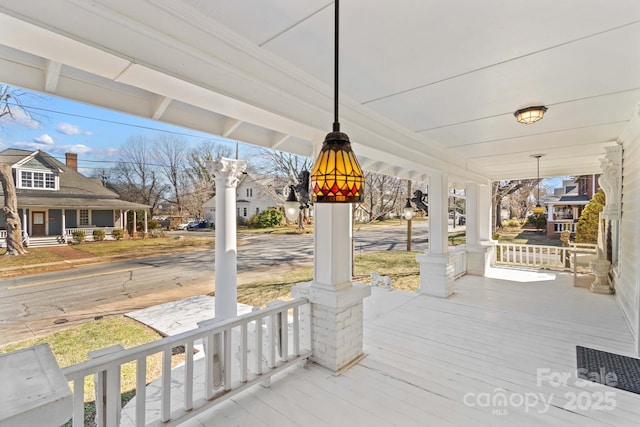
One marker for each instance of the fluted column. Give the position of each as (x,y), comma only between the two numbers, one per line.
(227,174)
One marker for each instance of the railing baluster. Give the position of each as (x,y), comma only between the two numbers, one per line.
(165,403)
(188,376)
(227,359)
(284,335)
(78,402)
(244,348)
(272,341)
(259,346)
(296,331)
(208,355)
(141,390)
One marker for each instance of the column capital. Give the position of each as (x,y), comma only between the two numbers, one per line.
(228,169)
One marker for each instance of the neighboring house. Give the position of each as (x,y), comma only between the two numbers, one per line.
(254,194)
(54,199)
(566,204)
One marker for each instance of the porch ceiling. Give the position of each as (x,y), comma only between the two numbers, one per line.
(426,86)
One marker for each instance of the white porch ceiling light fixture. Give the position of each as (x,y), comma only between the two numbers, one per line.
(530,115)
(336,176)
(538,210)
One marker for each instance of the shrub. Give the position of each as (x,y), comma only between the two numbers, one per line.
(117,233)
(98,235)
(587,227)
(266,218)
(540,222)
(78,236)
(513,222)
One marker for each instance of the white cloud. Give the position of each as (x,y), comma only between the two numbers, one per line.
(79,149)
(20,118)
(44,139)
(69,129)
(31,146)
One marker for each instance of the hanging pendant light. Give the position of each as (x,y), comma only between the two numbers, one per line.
(336,176)
(538,210)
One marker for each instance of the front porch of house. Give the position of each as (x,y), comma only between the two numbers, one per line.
(491,354)
(432,361)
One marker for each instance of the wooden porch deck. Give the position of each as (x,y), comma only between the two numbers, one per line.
(426,357)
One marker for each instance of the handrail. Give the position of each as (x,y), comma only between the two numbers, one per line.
(217,341)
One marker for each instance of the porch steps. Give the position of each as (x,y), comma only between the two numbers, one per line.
(37,242)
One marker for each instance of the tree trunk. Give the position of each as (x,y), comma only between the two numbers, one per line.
(10,209)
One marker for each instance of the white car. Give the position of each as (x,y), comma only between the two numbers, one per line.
(182,226)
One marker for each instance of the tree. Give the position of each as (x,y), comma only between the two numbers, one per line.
(382,195)
(136,176)
(171,155)
(9,104)
(201,183)
(281,164)
(10,209)
(587,227)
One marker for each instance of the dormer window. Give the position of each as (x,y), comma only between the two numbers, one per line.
(37,180)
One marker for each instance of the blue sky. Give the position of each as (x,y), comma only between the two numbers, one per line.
(58,126)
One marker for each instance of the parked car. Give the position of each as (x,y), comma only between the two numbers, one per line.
(183,226)
(193,225)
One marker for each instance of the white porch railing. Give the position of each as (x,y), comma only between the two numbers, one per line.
(88,232)
(540,256)
(270,350)
(559,227)
(3,238)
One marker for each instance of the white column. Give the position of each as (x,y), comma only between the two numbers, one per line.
(227,173)
(146,225)
(134,229)
(64,224)
(336,302)
(550,212)
(24,222)
(436,266)
(479,245)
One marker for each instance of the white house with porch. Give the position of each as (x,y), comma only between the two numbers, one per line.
(255,194)
(428,92)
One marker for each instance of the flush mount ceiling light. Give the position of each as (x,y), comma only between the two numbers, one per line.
(538,210)
(336,176)
(530,115)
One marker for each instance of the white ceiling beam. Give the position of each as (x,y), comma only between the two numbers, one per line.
(160,107)
(230,127)
(279,140)
(51,76)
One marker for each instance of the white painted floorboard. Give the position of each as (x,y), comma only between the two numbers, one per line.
(424,355)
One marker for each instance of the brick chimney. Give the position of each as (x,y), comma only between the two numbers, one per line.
(72,161)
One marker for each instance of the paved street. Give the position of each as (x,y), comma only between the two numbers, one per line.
(38,303)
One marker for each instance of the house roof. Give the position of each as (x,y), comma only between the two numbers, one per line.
(582,199)
(76,190)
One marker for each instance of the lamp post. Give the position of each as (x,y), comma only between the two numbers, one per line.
(408,214)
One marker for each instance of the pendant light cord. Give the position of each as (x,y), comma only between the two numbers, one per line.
(336,123)
(538,181)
